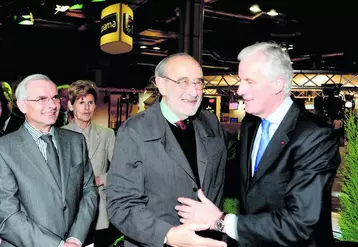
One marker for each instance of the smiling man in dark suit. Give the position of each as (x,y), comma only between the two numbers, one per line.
(47,193)
(288,160)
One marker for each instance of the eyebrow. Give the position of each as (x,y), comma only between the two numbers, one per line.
(42,96)
(186,77)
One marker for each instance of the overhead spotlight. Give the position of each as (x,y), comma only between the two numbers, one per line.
(143,47)
(272,12)
(60,8)
(97,1)
(76,7)
(255,8)
(25,19)
(348,104)
(156,48)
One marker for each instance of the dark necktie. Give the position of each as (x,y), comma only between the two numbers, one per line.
(52,158)
(265,139)
(181,124)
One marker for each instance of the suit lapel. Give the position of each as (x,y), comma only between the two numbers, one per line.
(247,143)
(31,152)
(202,136)
(174,150)
(63,149)
(95,140)
(277,143)
(160,131)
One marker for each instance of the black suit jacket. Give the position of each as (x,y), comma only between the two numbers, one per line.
(288,200)
(14,123)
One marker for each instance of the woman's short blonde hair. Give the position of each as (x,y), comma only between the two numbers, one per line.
(80,89)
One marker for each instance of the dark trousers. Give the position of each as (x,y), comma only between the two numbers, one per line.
(218,236)
(106,237)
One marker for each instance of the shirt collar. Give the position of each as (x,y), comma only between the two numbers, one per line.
(6,123)
(168,114)
(85,132)
(277,116)
(36,134)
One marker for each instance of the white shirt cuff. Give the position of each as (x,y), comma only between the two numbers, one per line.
(230,223)
(77,240)
(61,243)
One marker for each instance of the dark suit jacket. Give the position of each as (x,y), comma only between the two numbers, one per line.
(34,211)
(288,200)
(149,171)
(14,123)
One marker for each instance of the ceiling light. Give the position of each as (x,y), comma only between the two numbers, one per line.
(143,47)
(76,7)
(26,23)
(97,1)
(255,8)
(348,104)
(26,19)
(60,8)
(156,48)
(272,12)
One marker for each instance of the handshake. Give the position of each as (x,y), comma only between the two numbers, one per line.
(195,216)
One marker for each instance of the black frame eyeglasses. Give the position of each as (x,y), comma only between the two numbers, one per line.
(42,100)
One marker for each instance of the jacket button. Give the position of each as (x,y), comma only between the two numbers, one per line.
(65,235)
(64,208)
(195,189)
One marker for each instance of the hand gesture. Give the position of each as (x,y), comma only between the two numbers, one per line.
(198,212)
(185,236)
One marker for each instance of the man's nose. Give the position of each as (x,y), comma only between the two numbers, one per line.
(192,90)
(242,89)
(52,103)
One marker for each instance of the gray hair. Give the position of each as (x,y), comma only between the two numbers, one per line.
(278,61)
(160,69)
(21,90)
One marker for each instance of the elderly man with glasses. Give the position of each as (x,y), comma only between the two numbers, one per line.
(47,192)
(172,149)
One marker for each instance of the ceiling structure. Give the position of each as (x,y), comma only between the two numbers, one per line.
(65,45)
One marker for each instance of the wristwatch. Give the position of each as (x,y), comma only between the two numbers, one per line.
(219,223)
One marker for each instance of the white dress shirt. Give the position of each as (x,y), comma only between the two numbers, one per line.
(275,119)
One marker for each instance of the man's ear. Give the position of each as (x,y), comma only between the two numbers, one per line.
(161,85)
(70,106)
(22,106)
(279,85)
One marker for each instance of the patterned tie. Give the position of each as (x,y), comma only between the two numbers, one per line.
(52,158)
(181,124)
(265,139)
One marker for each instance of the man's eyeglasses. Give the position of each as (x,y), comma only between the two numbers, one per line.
(44,100)
(184,83)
